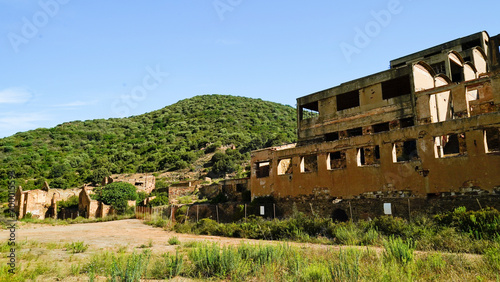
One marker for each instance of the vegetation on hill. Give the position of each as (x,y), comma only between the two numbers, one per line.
(171,138)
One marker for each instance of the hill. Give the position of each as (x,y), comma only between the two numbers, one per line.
(172,138)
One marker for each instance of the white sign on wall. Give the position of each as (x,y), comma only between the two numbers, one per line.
(262,211)
(387,208)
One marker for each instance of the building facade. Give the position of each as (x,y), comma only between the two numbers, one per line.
(427,127)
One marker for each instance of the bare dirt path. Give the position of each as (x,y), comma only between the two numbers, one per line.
(130,233)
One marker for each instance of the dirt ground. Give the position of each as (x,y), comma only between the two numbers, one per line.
(129,233)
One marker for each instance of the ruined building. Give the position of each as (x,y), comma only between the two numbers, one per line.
(425,129)
(41,203)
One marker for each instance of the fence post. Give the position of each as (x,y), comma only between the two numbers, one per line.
(409,211)
(217,212)
(350,210)
(245,212)
(197,212)
(274,211)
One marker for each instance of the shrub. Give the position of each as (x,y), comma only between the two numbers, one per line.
(390,225)
(117,194)
(484,223)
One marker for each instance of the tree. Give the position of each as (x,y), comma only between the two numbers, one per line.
(99,174)
(117,194)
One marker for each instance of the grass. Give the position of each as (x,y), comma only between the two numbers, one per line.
(76,220)
(449,232)
(263,262)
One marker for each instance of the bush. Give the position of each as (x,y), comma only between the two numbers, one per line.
(70,203)
(117,194)
(484,223)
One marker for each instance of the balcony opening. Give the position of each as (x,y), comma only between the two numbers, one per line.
(450,145)
(396,87)
(457,72)
(308,111)
(285,166)
(309,164)
(348,100)
(492,140)
(380,127)
(332,136)
(404,151)
(336,160)
(369,155)
(262,169)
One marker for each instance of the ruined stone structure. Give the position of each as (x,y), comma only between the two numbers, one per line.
(143,182)
(41,203)
(427,127)
(89,208)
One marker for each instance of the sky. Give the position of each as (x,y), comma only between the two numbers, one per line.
(67,60)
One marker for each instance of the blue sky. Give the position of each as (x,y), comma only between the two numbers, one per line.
(66,60)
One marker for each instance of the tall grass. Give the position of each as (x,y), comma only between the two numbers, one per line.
(246,262)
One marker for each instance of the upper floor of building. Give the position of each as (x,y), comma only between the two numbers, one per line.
(443,82)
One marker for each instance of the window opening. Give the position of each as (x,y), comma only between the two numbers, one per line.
(404,151)
(380,127)
(368,155)
(336,160)
(348,100)
(492,140)
(262,169)
(285,166)
(308,164)
(396,87)
(310,110)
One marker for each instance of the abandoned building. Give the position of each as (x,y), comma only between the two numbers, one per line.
(143,182)
(41,203)
(89,208)
(427,128)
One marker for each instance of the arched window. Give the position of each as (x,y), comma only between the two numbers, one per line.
(423,76)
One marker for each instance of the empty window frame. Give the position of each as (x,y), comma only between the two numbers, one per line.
(285,166)
(262,169)
(308,164)
(380,127)
(404,151)
(332,136)
(310,110)
(492,140)
(457,72)
(406,122)
(348,100)
(450,145)
(369,155)
(354,132)
(336,160)
(396,87)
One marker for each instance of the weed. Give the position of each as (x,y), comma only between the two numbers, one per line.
(76,247)
(399,250)
(347,268)
(174,241)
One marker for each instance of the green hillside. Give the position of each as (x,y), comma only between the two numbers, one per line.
(172,138)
